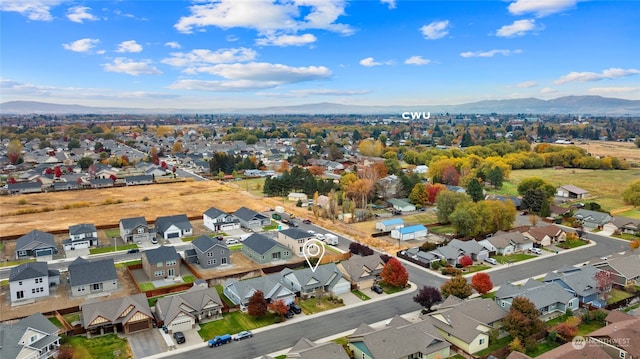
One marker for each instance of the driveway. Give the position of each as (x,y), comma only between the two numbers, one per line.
(146,343)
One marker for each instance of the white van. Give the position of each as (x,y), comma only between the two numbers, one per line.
(537,251)
(331,239)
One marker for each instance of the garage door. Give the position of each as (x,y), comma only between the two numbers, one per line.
(342,287)
(138,326)
(44,252)
(80,245)
(181,324)
(229,226)
(173,235)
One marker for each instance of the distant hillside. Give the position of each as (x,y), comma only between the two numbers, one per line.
(594,105)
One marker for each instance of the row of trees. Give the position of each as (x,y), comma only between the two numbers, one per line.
(297,179)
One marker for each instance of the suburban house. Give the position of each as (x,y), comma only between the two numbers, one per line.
(456,249)
(361,271)
(592,219)
(623,267)
(134,230)
(182,311)
(81,236)
(398,339)
(31,280)
(24,187)
(176,226)
(251,219)
(31,337)
(294,239)
(296,196)
(126,315)
(138,180)
(263,249)
(551,299)
(217,220)
(401,205)
(92,277)
(546,235)
(571,191)
(389,224)
(624,225)
(305,348)
(239,292)
(506,243)
(579,281)
(415,232)
(327,278)
(161,263)
(208,252)
(517,202)
(35,244)
(101,182)
(467,323)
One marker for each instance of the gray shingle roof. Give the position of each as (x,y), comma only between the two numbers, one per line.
(179,220)
(195,299)
(542,295)
(35,239)
(128,223)
(296,233)
(205,243)
(161,254)
(581,281)
(305,349)
(28,271)
(214,212)
(83,272)
(113,308)
(247,214)
(82,228)
(260,243)
(11,334)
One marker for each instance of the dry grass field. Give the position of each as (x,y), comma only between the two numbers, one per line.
(622,150)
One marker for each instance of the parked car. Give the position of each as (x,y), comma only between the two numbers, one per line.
(537,251)
(133,250)
(179,337)
(293,224)
(295,308)
(376,288)
(232,241)
(306,221)
(219,340)
(243,335)
(290,314)
(491,261)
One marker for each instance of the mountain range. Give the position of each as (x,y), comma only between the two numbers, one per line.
(582,105)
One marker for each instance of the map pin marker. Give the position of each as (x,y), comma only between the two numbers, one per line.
(313,249)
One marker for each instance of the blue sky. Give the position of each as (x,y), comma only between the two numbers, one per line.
(252,53)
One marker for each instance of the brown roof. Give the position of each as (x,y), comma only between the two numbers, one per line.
(621,334)
(568,351)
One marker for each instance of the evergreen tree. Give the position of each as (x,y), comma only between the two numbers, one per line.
(474,189)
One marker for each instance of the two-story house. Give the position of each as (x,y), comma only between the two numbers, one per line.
(135,230)
(31,280)
(294,239)
(92,277)
(161,263)
(209,252)
(83,235)
(31,337)
(217,220)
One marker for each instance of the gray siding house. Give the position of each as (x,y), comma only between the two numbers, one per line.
(31,337)
(35,244)
(134,230)
(81,236)
(31,280)
(182,311)
(161,263)
(176,226)
(251,219)
(210,252)
(92,277)
(263,249)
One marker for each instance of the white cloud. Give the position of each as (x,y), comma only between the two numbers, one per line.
(173,45)
(267,16)
(313,92)
(79,14)
(540,7)
(131,67)
(417,60)
(490,53)
(548,90)
(264,72)
(202,57)
(610,73)
(527,84)
(129,46)
(369,62)
(435,30)
(518,28)
(36,10)
(286,40)
(221,86)
(391,3)
(82,45)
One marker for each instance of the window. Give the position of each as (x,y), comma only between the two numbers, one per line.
(33,338)
(623,355)
(300,241)
(38,280)
(275,255)
(171,263)
(209,254)
(223,260)
(481,341)
(140,230)
(159,264)
(20,294)
(286,253)
(158,273)
(211,261)
(96,286)
(20,283)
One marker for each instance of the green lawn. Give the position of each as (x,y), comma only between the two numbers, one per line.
(72,317)
(513,258)
(146,286)
(633,213)
(232,323)
(568,244)
(490,295)
(317,305)
(389,289)
(627,237)
(360,295)
(220,291)
(420,218)
(112,233)
(15,263)
(542,347)
(442,229)
(637,305)
(616,295)
(235,247)
(108,346)
(474,268)
(56,322)
(129,263)
(586,328)
(123,247)
(497,344)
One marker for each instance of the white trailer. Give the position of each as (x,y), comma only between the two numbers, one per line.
(331,239)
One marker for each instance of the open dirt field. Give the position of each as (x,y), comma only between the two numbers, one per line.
(622,150)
